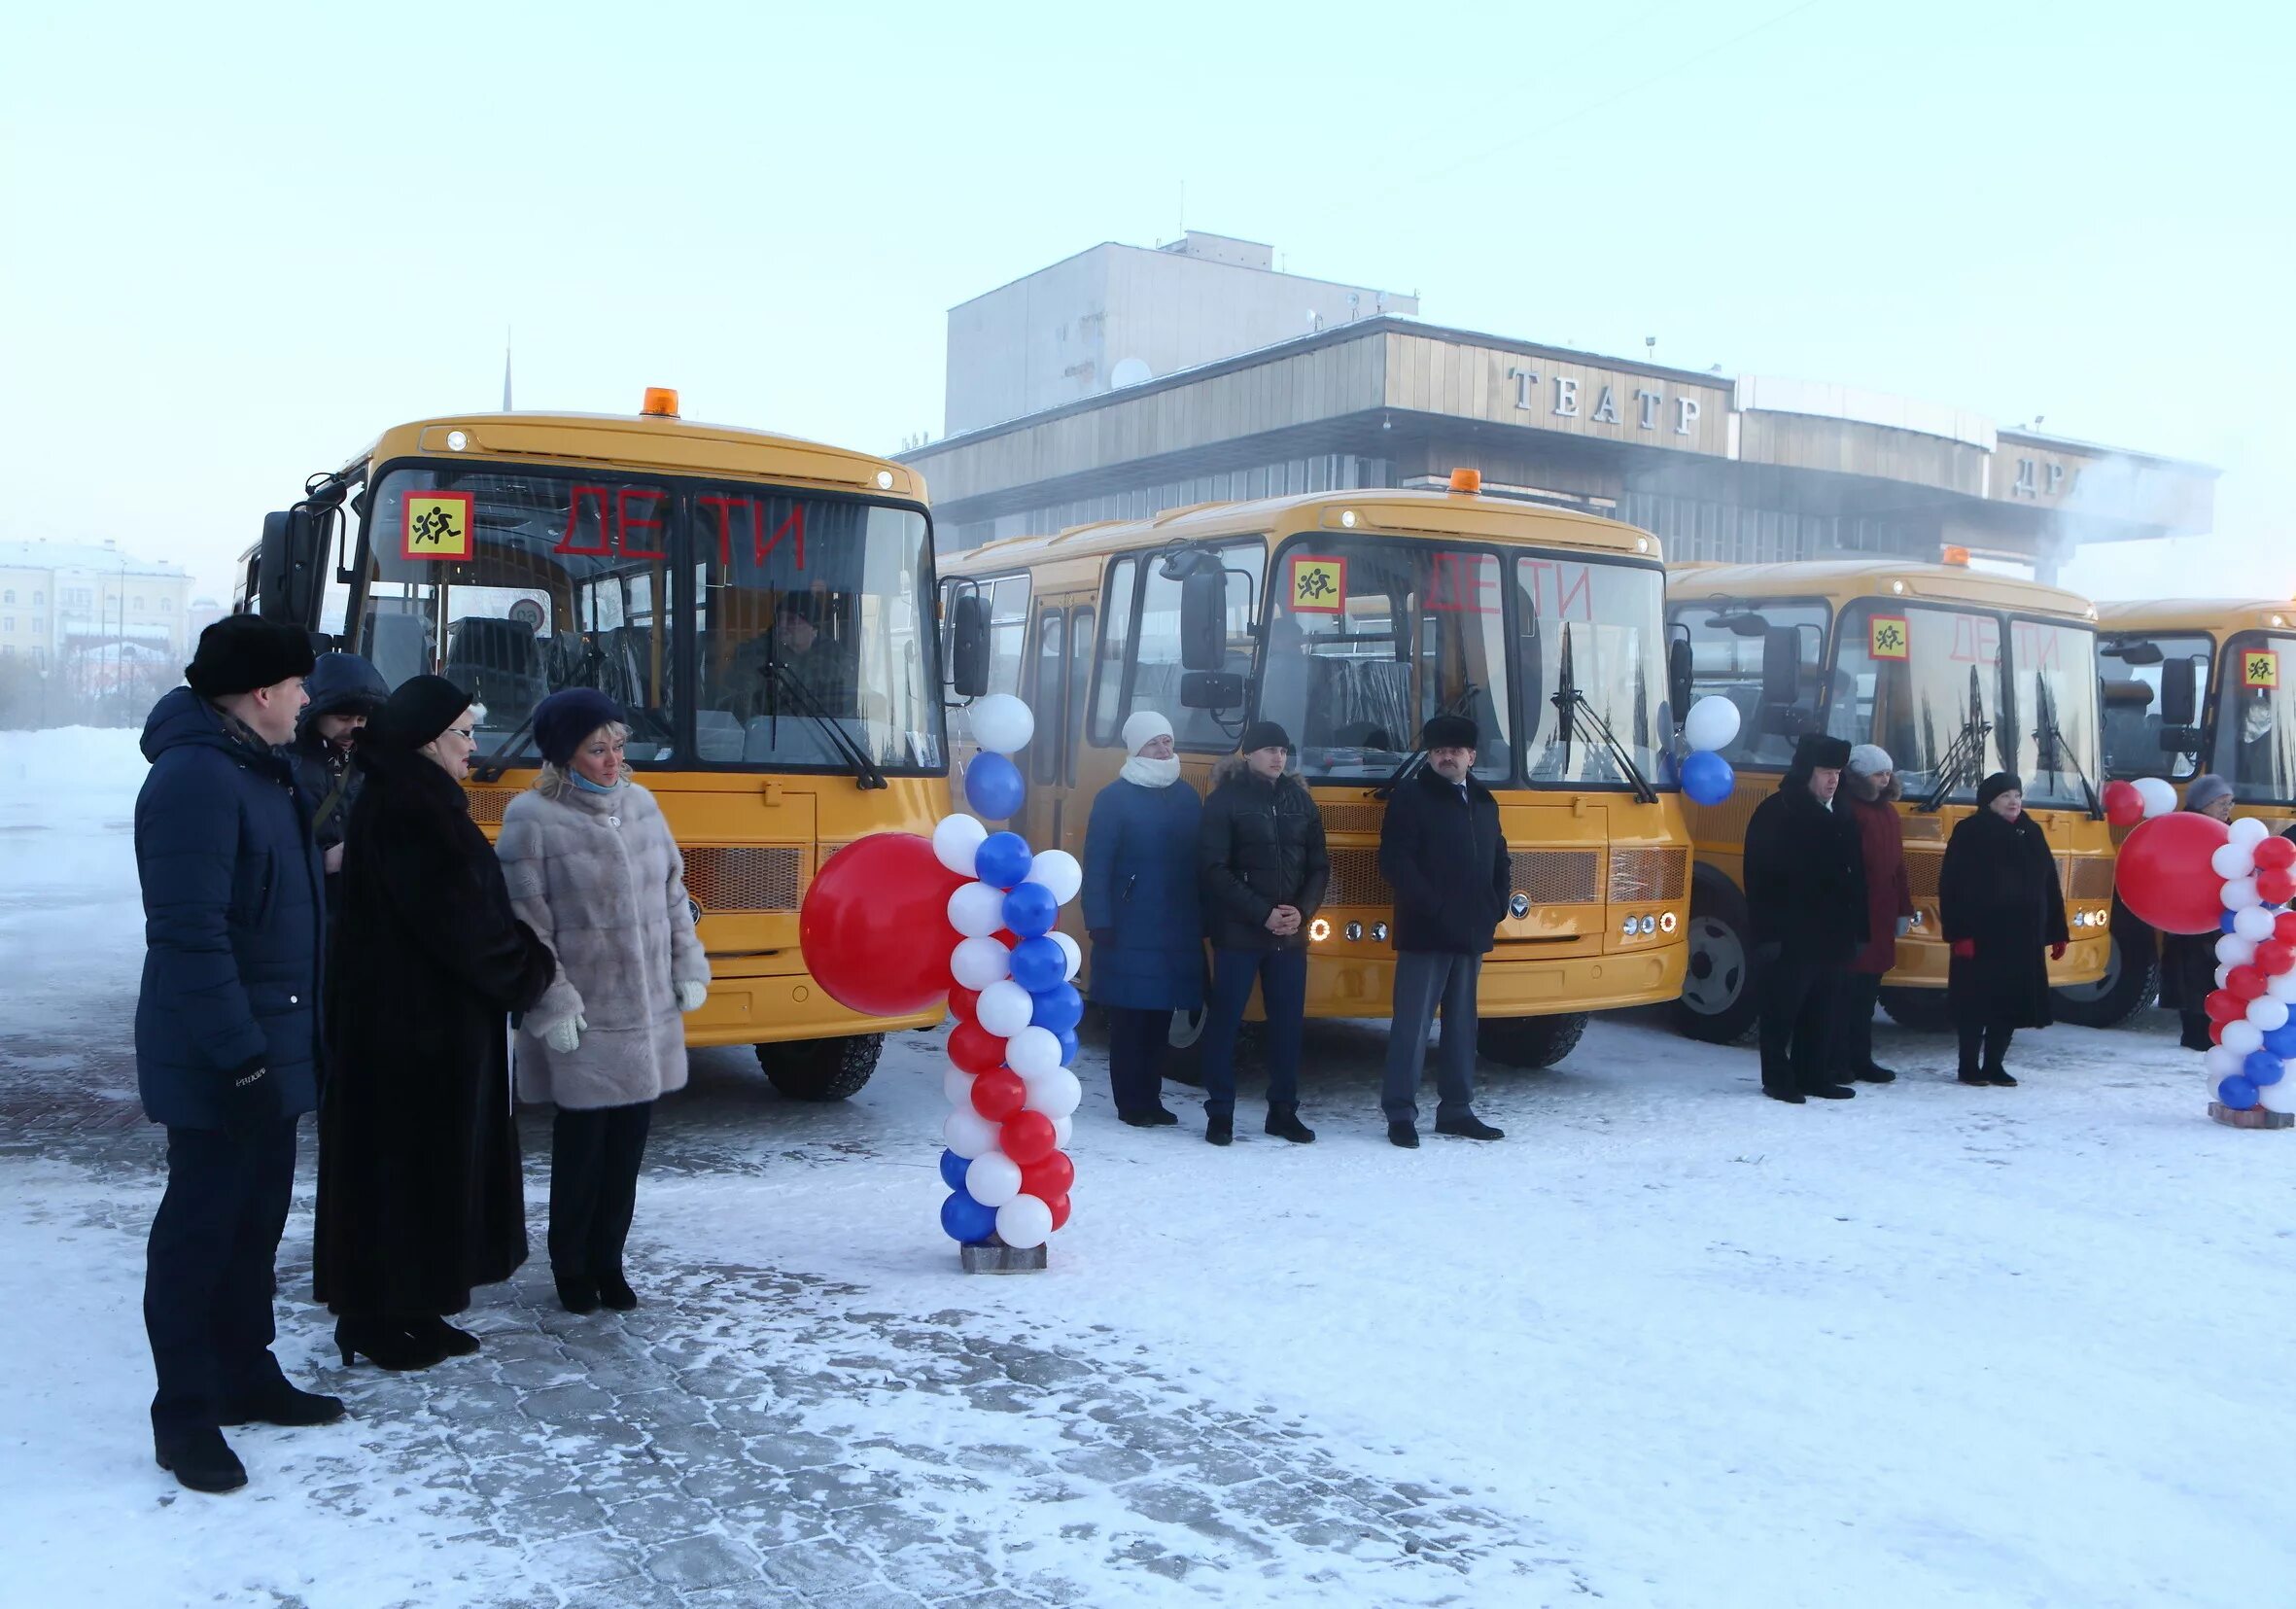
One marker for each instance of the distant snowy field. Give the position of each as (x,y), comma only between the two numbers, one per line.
(1934,1346)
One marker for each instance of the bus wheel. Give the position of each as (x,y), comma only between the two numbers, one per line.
(821,1070)
(1924,1010)
(1530,1041)
(1183,1061)
(2132,979)
(1718,1003)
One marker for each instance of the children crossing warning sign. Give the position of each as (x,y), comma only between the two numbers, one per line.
(1318,585)
(1888,638)
(2260,668)
(438,525)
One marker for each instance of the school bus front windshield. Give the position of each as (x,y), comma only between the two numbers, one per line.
(1371,635)
(2255,725)
(808,646)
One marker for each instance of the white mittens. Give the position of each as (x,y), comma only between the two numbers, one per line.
(566,1035)
(691,994)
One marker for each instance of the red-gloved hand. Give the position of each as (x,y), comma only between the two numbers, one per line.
(1965,949)
(2056,951)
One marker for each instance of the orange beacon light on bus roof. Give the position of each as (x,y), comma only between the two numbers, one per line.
(661,402)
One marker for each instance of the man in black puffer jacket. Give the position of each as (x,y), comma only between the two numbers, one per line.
(1805,895)
(1442,850)
(1261,854)
(344,690)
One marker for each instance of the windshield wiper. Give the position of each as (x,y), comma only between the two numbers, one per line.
(1571,700)
(2044,708)
(781,677)
(1965,757)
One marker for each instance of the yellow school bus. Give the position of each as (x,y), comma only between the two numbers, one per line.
(1350,617)
(1956,673)
(761,608)
(2192,686)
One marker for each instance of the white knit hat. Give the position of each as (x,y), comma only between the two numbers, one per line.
(1870,760)
(1144,728)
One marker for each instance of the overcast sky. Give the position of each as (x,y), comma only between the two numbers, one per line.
(244,239)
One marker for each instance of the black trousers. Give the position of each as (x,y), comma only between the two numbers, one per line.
(1983,1045)
(594,1159)
(1853,1035)
(208,1268)
(1798,1000)
(1137,1041)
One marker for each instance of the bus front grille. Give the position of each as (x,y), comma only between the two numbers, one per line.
(743,877)
(1647,876)
(1558,876)
(2088,876)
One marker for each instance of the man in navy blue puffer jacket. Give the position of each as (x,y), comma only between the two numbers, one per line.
(226,1034)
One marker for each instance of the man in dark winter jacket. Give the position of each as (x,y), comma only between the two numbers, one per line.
(1260,854)
(1805,893)
(344,690)
(1442,850)
(226,1034)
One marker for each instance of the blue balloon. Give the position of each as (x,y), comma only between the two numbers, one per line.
(2282,1040)
(992,787)
(2224,921)
(1068,1038)
(952,1169)
(1707,778)
(965,1220)
(2237,1092)
(1038,964)
(1003,860)
(1030,910)
(1059,1009)
(2262,1068)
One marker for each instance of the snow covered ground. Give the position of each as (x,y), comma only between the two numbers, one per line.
(1669,1343)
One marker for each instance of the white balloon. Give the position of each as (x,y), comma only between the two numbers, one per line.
(957,1085)
(2280,1097)
(1034,1052)
(2234,950)
(970,1135)
(976,910)
(1001,723)
(1056,1095)
(2248,833)
(1064,1128)
(957,839)
(2223,973)
(2232,861)
(1072,950)
(2253,924)
(992,1179)
(1024,1222)
(2159,797)
(1006,1008)
(978,962)
(2280,986)
(2268,1013)
(1056,869)
(2242,1035)
(2241,893)
(2222,1062)
(1713,722)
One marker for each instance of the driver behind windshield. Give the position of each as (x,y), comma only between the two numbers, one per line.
(805,654)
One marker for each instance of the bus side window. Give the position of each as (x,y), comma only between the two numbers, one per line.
(1047,684)
(1726,644)
(1115,637)
(1008,630)
(1079,675)
(1156,669)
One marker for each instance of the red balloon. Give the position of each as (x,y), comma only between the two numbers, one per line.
(2224,1006)
(964,1004)
(2272,958)
(2245,983)
(2275,886)
(2163,874)
(1050,1178)
(997,1094)
(1060,1205)
(2216,1032)
(975,1049)
(874,928)
(2275,854)
(1027,1138)
(2124,806)
(2283,926)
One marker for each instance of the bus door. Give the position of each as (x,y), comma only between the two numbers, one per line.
(1055,687)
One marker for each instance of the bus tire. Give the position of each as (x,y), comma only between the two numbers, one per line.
(1530,1041)
(1718,1001)
(1183,1057)
(1923,1010)
(2130,983)
(821,1070)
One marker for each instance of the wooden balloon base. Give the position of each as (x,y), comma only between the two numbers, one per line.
(995,1257)
(2255,1117)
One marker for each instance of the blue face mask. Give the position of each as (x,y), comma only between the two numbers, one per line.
(586,785)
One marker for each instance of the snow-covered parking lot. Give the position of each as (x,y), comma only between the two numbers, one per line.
(1668,1343)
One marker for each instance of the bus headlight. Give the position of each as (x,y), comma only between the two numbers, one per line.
(1650,925)
(1378,933)
(1319,930)
(455,441)
(1354,932)
(1629,927)
(1520,905)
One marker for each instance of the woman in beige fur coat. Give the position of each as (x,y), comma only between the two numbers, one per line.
(593,870)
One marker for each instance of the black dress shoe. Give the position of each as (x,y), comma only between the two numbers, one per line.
(1219,1130)
(1871,1074)
(1284,1122)
(2000,1077)
(1831,1092)
(1155,1117)
(201,1459)
(276,1402)
(1405,1134)
(613,1291)
(385,1343)
(576,1295)
(1470,1127)
(1793,1098)
(450,1342)
(1973,1079)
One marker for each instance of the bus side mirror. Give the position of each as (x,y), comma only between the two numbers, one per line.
(1782,667)
(968,646)
(1678,675)
(1203,618)
(287,568)
(2180,693)
(1211,690)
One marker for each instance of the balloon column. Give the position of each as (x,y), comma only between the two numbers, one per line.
(1709,727)
(1014,1006)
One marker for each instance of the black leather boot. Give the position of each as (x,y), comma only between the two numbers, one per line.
(1284,1122)
(276,1402)
(385,1342)
(200,1459)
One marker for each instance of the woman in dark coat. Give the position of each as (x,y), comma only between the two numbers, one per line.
(1142,910)
(1869,786)
(419,1196)
(2188,960)
(2002,908)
